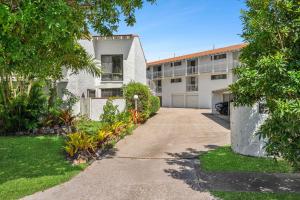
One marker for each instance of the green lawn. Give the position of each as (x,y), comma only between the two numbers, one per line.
(31,164)
(223,159)
(254,196)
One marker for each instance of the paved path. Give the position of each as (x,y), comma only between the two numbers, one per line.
(157,162)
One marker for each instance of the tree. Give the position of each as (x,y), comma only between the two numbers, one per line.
(270,72)
(39,37)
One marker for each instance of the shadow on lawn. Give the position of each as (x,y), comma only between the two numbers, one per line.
(185,166)
(32,157)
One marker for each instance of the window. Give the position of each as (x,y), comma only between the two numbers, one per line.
(219,76)
(159,83)
(112,66)
(191,84)
(91,93)
(219,57)
(191,63)
(175,80)
(177,63)
(111,92)
(157,68)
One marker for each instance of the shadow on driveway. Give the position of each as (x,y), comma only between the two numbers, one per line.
(218,120)
(187,169)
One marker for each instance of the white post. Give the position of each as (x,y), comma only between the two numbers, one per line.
(135,97)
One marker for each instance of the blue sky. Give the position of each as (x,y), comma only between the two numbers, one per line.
(177,27)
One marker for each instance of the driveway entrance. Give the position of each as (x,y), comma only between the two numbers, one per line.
(156,162)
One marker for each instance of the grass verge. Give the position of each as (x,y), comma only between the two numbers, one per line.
(223,159)
(255,196)
(31,164)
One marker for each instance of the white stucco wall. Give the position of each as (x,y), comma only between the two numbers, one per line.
(244,124)
(140,62)
(205,88)
(134,67)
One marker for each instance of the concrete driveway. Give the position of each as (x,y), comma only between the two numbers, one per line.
(156,162)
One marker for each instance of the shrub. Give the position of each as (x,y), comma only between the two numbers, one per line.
(23,111)
(144,94)
(88,126)
(155,104)
(110,112)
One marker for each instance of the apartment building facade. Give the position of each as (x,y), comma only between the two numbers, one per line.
(197,80)
(121,59)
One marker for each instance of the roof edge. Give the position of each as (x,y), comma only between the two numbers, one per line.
(199,54)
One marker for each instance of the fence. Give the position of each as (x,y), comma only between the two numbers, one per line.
(93,107)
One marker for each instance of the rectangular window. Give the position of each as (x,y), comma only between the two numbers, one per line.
(157,68)
(191,84)
(219,56)
(191,63)
(175,80)
(219,76)
(177,63)
(111,92)
(91,93)
(112,66)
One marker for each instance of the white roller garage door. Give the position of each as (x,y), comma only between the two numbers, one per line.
(178,101)
(192,101)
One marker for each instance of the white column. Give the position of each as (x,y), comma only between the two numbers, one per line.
(213,63)
(186,67)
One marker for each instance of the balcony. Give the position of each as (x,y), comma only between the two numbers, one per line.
(192,70)
(202,67)
(157,74)
(179,71)
(220,66)
(112,77)
(191,87)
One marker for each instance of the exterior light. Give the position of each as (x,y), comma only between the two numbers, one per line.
(135,97)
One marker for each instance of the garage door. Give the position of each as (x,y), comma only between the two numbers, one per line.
(192,101)
(177,101)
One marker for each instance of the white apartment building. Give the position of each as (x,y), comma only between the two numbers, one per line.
(121,59)
(197,80)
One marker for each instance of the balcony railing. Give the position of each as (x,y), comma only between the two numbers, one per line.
(157,74)
(192,70)
(191,87)
(179,71)
(112,77)
(202,67)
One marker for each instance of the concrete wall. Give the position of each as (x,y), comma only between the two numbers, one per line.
(79,83)
(205,88)
(93,107)
(244,124)
(134,67)
(205,84)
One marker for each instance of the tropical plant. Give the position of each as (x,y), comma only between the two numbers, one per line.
(143,103)
(271,72)
(80,143)
(67,118)
(155,104)
(23,111)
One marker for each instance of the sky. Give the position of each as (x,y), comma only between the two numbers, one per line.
(171,28)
